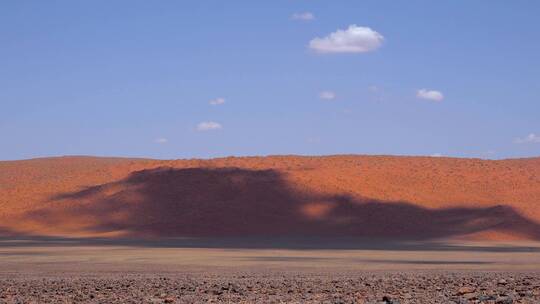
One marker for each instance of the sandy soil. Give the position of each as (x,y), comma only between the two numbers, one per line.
(88,255)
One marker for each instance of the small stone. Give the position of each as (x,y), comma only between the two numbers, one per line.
(504,300)
(466,289)
(487,298)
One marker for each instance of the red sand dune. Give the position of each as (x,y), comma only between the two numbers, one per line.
(367,196)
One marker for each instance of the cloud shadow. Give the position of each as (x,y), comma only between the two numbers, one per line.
(234,202)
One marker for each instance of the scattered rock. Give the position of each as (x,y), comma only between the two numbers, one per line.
(466,289)
(504,300)
(405,288)
(470,296)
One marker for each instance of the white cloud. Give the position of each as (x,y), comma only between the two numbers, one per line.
(217,101)
(208,126)
(376,94)
(355,39)
(432,95)
(305,16)
(531,138)
(436,155)
(161,140)
(327,95)
(373,88)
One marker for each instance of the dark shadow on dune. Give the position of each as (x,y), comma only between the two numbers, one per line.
(7,232)
(233,202)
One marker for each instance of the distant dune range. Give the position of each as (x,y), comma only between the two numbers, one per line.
(364,196)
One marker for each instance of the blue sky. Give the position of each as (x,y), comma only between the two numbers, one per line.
(179,79)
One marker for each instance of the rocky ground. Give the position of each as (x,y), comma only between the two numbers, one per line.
(428,287)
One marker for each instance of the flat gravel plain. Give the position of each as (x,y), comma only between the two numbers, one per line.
(274,287)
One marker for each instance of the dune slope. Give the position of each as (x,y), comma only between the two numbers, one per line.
(366,196)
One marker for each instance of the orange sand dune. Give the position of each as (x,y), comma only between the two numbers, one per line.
(365,196)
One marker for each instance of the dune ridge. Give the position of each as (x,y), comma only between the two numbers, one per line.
(343,195)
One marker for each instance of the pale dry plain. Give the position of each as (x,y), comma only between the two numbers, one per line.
(282,254)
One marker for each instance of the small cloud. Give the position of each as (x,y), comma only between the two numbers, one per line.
(208,126)
(376,93)
(531,138)
(305,16)
(327,95)
(161,140)
(436,155)
(217,101)
(432,95)
(355,39)
(373,88)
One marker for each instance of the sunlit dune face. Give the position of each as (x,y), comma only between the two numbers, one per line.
(317,210)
